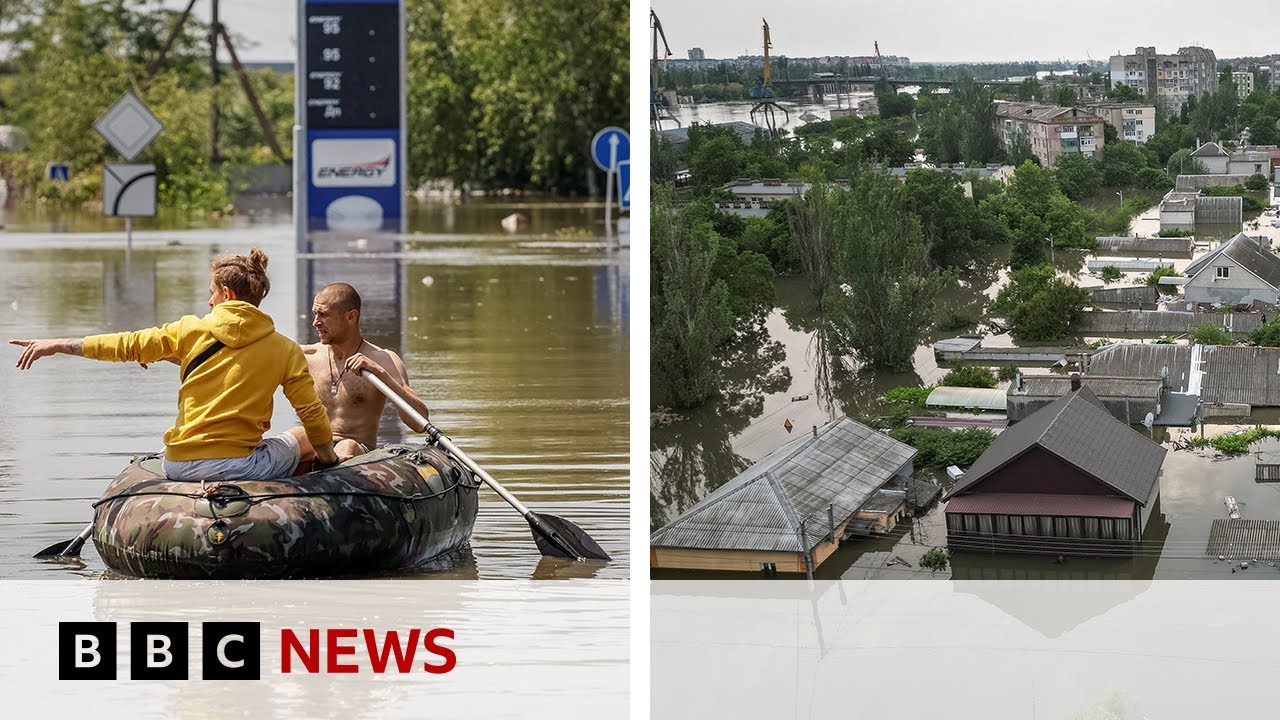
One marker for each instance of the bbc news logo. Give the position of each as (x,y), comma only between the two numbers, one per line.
(233,651)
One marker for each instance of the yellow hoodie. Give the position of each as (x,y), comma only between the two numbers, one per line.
(224,406)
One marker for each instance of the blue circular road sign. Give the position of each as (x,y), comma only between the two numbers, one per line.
(609,147)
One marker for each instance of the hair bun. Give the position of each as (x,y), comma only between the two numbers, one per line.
(258,259)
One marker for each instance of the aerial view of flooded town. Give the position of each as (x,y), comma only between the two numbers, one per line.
(998,319)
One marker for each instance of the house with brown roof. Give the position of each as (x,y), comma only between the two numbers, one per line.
(1068,480)
(788,512)
(1237,272)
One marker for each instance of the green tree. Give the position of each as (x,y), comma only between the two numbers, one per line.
(662,159)
(690,308)
(716,161)
(935,559)
(1268,335)
(887,301)
(1154,179)
(1211,334)
(969,376)
(1121,162)
(1065,95)
(1182,163)
(1124,93)
(1020,151)
(1111,273)
(1256,182)
(1077,175)
(946,215)
(811,219)
(1039,305)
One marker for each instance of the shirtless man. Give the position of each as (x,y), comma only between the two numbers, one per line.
(336,363)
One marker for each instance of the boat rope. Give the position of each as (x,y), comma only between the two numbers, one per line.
(258,498)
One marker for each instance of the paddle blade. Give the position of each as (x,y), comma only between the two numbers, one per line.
(66,548)
(557,537)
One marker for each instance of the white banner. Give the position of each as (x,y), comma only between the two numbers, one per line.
(515,649)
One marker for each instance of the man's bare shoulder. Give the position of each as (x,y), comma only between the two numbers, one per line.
(382,356)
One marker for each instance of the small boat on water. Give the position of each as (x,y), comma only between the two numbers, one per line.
(392,509)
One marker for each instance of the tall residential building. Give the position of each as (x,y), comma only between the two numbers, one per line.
(697,54)
(1053,131)
(1174,78)
(1133,121)
(1244,83)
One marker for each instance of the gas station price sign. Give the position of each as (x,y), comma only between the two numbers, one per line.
(352,65)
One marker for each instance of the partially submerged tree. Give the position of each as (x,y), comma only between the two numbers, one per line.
(886,303)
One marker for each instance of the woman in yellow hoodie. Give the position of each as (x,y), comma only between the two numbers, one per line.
(232,361)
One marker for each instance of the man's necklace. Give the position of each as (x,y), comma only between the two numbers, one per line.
(334,379)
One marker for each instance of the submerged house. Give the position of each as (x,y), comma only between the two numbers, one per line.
(788,512)
(1070,480)
(1238,272)
(1129,400)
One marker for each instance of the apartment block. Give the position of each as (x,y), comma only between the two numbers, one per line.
(1174,78)
(1244,83)
(1133,121)
(1052,130)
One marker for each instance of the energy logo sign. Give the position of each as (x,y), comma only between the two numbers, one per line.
(363,162)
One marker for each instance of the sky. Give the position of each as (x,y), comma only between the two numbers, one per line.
(268,28)
(978,30)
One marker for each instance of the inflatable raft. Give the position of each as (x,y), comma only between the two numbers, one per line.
(391,509)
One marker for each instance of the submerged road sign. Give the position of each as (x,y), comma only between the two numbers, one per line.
(129,190)
(609,147)
(129,125)
(624,184)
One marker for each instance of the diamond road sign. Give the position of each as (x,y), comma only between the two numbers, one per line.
(129,126)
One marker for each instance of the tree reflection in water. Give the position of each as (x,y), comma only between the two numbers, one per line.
(694,456)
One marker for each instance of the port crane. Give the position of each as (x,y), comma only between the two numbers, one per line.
(659,111)
(764,113)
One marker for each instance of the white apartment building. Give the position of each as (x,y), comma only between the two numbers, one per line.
(1133,121)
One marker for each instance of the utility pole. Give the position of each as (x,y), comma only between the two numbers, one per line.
(215,76)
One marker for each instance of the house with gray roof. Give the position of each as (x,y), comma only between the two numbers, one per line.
(787,512)
(1068,480)
(1237,272)
(1214,157)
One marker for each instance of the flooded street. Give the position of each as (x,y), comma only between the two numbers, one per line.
(517,342)
(710,445)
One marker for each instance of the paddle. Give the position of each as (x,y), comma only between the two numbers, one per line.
(555,536)
(67,548)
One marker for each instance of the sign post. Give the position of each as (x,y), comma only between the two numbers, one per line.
(609,148)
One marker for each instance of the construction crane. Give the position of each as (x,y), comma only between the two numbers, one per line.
(659,111)
(766,109)
(879,59)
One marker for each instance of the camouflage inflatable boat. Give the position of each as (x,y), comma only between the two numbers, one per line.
(394,508)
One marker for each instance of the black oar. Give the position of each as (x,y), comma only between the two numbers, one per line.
(554,536)
(67,548)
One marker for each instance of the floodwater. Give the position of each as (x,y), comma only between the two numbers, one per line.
(723,112)
(785,373)
(517,342)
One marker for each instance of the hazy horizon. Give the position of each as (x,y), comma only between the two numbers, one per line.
(986,32)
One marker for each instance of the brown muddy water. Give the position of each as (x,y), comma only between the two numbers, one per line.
(517,342)
(787,361)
